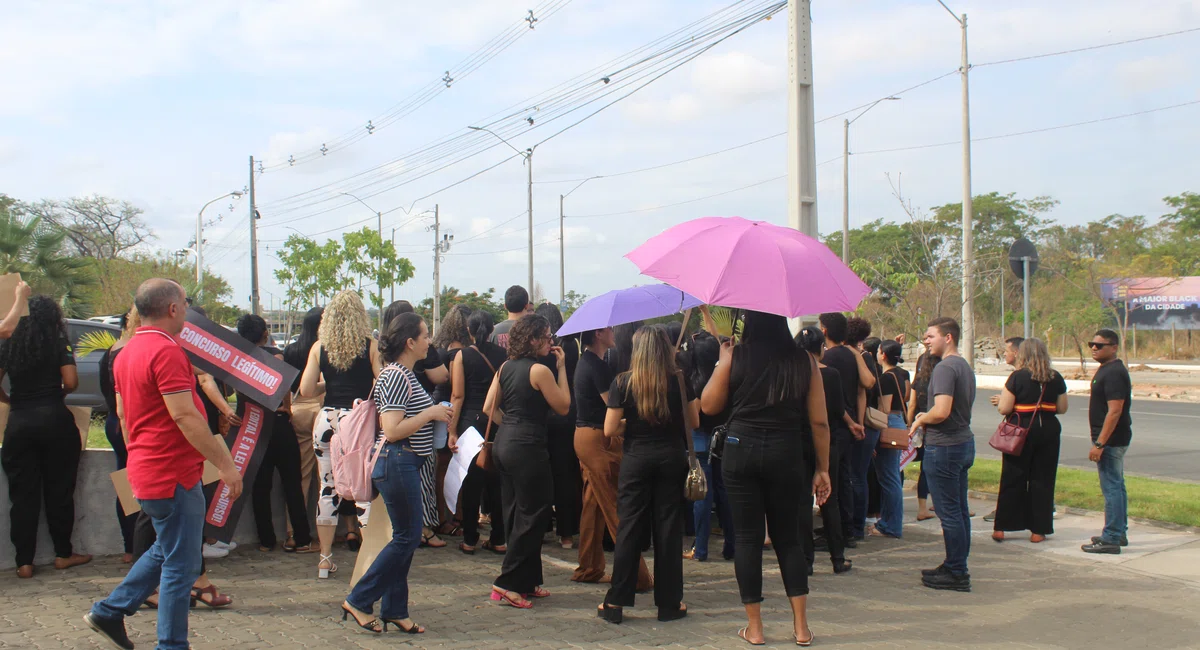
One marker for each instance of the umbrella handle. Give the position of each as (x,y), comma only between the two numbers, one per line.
(687,315)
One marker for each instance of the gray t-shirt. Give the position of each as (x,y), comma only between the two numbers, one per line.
(955,378)
(500,334)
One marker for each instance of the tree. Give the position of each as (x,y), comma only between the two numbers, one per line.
(573,301)
(451,297)
(38,251)
(365,254)
(310,271)
(115,294)
(95,226)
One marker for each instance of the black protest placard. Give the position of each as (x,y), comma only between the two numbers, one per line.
(235,361)
(247,446)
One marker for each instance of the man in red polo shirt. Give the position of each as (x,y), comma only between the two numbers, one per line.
(168,440)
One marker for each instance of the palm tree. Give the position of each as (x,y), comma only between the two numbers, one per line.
(35,250)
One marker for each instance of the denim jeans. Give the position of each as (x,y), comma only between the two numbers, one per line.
(860,463)
(702,510)
(1112,485)
(891,487)
(171,566)
(946,468)
(397,476)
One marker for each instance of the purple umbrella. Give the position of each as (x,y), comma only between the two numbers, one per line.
(735,262)
(626,306)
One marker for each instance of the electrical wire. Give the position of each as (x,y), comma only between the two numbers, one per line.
(1086,49)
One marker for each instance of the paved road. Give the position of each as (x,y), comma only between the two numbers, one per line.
(1166,436)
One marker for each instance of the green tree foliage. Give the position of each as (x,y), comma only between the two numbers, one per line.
(38,251)
(313,272)
(366,255)
(574,300)
(475,300)
(121,278)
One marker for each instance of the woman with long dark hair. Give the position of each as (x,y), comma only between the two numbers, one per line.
(130,321)
(1033,396)
(652,407)
(304,411)
(918,402)
(525,391)
(347,358)
(560,432)
(41,442)
(282,455)
(704,351)
(406,417)
(775,392)
(894,386)
(622,350)
(471,375)
(450,339)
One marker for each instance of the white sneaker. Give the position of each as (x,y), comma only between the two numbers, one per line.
(228,546)
(213,552)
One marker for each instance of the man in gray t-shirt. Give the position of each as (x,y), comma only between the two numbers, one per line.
(949,452)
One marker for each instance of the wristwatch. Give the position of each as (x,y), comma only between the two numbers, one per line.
(1097,444)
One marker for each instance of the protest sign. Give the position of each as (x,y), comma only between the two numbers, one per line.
(235,361)
(247,446)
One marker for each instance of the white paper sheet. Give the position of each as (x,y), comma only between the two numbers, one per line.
(469,444)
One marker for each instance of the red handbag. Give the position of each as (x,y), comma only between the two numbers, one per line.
(1009,437)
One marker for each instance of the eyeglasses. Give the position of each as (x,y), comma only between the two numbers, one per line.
(1096,346)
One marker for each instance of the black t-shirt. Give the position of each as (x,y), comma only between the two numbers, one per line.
(874,392)
(592,378)
(106,379)
(751,401)
(638,429)
(446,357)
(432,360)
(841,358)
(478,375)
(1021,384)
(895,382)
(834,406)
(42,384)
(1110,382)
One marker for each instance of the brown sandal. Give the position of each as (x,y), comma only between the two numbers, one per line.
(216,600)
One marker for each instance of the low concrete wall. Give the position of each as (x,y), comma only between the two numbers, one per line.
(96,529)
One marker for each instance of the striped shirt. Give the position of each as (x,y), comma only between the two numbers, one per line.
(399,390)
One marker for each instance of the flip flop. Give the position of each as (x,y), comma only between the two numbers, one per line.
(742,633)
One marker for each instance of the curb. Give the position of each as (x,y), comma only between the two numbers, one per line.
(989,496)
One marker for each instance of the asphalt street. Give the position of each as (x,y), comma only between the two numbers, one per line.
(1166,436)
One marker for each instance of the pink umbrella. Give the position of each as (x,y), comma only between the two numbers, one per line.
(734,262)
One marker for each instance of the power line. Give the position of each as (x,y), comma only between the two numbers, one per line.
(671,205)
(1087,49)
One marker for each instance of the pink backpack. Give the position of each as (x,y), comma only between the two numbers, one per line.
(351,451)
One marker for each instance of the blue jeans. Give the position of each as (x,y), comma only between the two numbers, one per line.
(946,468)
(891,487)
(397,476)
(702,510)
(1112,485)
(860,464)
(171,566)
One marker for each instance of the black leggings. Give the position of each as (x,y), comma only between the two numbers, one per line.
(41,458)
(568,480)
(831,515)
(766,475)
(283,454)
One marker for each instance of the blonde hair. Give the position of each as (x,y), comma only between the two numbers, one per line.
(133,320)
(651,366)
(344,329)
(1033,356)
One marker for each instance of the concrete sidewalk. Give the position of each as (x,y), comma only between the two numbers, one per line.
(1049,595)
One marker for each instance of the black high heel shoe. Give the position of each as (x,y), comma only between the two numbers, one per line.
(842,566)
(611,614)
(414,629)
(673,615)
(370,626)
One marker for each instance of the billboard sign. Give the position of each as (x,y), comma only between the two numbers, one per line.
(1156,303)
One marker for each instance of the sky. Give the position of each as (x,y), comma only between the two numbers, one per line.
(163,103)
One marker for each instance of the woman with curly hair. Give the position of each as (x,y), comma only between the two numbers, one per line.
(41,442)
(346,358)
(450,339)
(522,395)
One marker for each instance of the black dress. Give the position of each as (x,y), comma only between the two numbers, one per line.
(1026,499)
(527,483)
(653,470)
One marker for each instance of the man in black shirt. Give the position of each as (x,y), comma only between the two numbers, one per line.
(516,302)
(1108,415)
(855,377)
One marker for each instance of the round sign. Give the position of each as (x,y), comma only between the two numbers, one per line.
(1021,249)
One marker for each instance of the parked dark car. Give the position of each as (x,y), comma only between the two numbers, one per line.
(88,393)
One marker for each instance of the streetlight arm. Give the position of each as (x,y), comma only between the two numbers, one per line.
(952,14)
(873,105)
(510,146)
(580,185)
(360,201)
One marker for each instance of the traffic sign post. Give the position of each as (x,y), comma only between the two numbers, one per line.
(1023,260)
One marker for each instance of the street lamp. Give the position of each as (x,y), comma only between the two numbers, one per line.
(528,156)
(967,348)
(379,266)
(562,260)
(200,241)
(846,178)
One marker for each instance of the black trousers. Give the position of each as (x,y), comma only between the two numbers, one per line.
(568,478)
(766,476)
(1026,499)
(650,501)
(479,488)
(527,487)
(282,455)
(831,514)
(112,431)
(41,458)
(839,476)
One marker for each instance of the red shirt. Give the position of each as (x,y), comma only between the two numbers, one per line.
(152,365)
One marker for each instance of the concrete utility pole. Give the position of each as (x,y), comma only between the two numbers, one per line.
(846,179)
(254,301)
(967,346)
(528,156)
(200,242)
(441,244)
(802,152)
(562,259)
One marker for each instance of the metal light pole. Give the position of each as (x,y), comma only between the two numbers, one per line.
(846,178)
(254,296)
(441,244)
(379,266)
(528,156)
(200,241)
(562,259)
(967,346)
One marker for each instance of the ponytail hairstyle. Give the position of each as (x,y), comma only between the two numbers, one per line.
(480,327)
(396,335)
(893,352)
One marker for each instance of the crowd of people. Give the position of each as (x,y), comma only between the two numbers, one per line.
(587,445)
